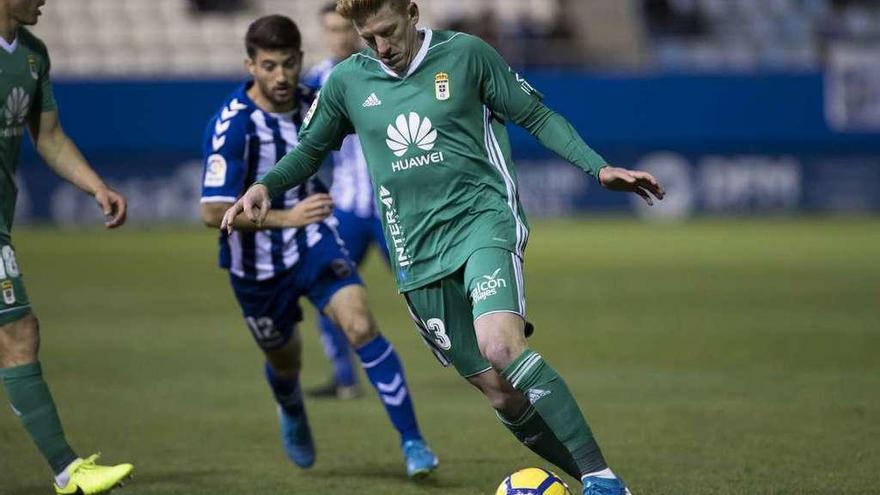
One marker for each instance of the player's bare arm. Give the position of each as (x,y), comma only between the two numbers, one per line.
(510,97)
(255,204)
(62,156)
(559,136)
(635,181)
(311,210)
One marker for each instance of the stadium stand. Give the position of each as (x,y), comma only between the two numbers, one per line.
(748,35)
(187,38)
(138,38)
(647,82)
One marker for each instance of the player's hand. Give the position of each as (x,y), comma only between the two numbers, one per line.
(313,209)
(635,181)
(113,205)
(255,204)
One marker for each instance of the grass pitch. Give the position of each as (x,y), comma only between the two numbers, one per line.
(730,357)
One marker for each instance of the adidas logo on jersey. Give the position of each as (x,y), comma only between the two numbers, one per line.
(536,394)
(372,101)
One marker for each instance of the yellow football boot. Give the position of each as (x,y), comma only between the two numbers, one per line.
(87,477)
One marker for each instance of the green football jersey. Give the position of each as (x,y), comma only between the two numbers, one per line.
(24,89)
(436,146)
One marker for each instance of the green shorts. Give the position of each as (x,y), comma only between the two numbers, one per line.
(491,281)
(14,303)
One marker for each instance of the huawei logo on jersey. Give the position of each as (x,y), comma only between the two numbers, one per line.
(406,132)
(17,105)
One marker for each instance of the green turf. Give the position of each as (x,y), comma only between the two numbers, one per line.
(726,357)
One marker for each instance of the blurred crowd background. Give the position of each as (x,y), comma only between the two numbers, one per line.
(742,106)
(198,37)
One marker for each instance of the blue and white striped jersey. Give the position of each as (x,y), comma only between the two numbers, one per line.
(242,142)
(351,189)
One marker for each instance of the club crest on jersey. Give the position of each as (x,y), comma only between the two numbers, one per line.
(32,66)
(442,89)
(8,292)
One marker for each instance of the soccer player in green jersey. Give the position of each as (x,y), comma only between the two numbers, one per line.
(430,108)
(26,93)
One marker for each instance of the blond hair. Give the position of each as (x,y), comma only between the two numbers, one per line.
(358,9)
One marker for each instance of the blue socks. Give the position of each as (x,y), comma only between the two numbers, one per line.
(385,372)
(287,392)
(338,351)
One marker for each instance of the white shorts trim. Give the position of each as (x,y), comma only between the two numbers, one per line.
(479,372)
(14,309)
(500,311)
(218,199)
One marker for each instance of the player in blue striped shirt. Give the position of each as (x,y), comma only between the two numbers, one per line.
(358,225)
(297,252)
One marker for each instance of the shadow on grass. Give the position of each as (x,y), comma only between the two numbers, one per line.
(384,473)
(147,480)
(462,472)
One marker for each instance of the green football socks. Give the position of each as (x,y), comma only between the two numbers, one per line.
(32,402)
(548,393)
(530,429)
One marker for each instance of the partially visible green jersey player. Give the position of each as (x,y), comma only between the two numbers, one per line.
(28,103)
(429,108)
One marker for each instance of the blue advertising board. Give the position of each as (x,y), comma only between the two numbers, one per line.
(722,144)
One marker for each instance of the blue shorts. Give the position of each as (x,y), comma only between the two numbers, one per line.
(271,307)
(358,233)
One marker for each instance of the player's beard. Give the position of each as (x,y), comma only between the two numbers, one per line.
(281,102)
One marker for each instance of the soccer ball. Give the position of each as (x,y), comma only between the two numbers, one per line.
(533,481)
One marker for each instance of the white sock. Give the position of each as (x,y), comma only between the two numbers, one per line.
(64,477)
(605,473)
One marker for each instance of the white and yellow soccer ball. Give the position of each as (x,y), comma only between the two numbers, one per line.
(533,481)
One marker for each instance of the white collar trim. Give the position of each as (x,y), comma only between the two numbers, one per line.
(417,61)
(10,47)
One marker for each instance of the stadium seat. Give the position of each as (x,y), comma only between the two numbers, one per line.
(165,38)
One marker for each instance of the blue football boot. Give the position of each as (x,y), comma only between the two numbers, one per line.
(420,460)
(296,436)
(593,485)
